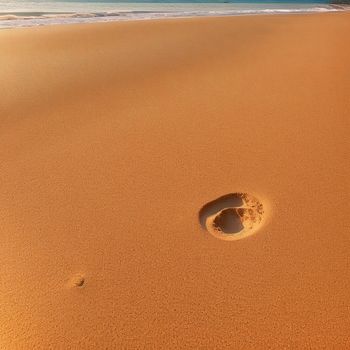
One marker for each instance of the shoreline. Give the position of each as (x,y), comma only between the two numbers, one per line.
(13,20)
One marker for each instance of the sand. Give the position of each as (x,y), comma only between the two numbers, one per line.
(113,137)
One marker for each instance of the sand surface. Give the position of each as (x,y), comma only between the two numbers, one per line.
(112,139)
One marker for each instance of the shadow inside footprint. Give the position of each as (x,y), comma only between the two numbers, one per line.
(228,221)
(229,200)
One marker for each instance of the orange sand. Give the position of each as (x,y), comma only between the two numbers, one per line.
(112,139)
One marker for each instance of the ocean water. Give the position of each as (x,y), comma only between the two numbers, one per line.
(25,13)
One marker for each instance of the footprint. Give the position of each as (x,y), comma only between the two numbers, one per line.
(232,217)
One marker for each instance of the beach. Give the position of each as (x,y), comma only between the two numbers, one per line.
(115,136)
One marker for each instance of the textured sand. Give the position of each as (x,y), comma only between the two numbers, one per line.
(112,139)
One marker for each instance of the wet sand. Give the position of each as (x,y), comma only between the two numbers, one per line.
(114,137)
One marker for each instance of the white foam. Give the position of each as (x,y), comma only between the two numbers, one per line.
(13,20)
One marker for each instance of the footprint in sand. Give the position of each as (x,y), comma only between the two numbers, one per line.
(232,217)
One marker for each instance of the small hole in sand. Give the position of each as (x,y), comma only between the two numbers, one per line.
(233,216)
(77,281)
(80,282)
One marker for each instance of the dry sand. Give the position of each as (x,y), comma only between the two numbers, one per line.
(112,139)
